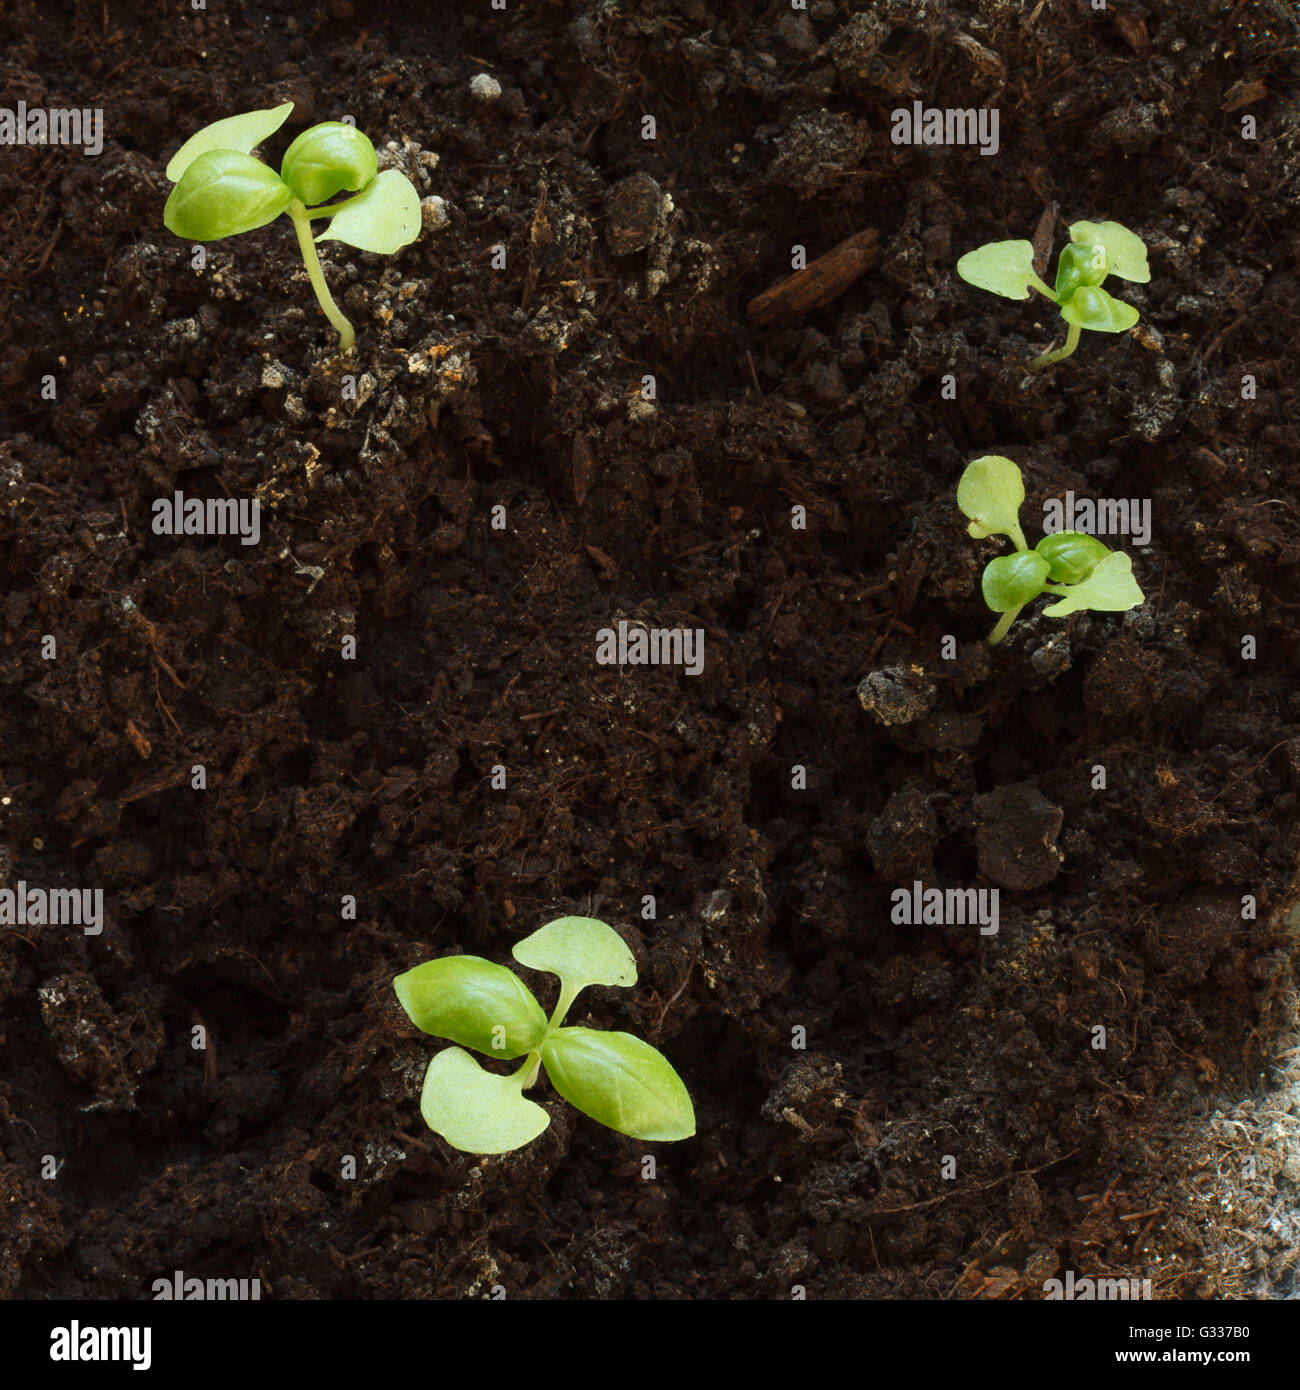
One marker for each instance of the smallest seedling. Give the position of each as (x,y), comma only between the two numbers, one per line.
(614,1077)
(1096,250)
(1076,568)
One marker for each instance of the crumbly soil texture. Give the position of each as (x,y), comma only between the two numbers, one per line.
(560,414)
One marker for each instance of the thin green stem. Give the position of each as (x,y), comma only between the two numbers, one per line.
(532,1064)
(1004,623)
(1036,284)
(302,225)
(1071,342)
(527,1070)
(568,993)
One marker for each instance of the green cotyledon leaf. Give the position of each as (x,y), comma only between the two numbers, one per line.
(473,1002)
(1110,588)
(990,492)
(383,217)
(1071,555)
(241,133)
(1001,267)
(223,193)
(1079,264)
(1011,581)
(1091,307)
(327,159)
(621,1081)
(475,1110)
(581,951)
(1126,253)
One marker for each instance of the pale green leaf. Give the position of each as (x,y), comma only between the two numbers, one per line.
(239,133)
(1071,555)
(990,493)
(1126,255)
(1078,265)
(1110,588)
(475,1110)
(1091,307)
(581,951)
(1011,581)
(1001,267)
(327,159)
(620,1081)
(383,217)
(468,999)
(223,193)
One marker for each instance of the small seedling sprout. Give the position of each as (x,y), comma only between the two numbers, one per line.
(1077,569)
(1096,250)
(222,191)
(615,1078)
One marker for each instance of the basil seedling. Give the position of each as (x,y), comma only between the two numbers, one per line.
(1077,569)
(221,191)
(1096,250)
(613,1077)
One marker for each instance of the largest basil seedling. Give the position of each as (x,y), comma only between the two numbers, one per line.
(221,191)
(1076,569)
(1096,250)
(613,1077)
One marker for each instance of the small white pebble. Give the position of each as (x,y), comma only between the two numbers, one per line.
(485,88)
(434,214)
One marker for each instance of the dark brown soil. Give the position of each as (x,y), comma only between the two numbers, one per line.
(521,388)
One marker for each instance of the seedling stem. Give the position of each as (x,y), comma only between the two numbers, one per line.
(529,1070)
(301,217)
(1061,353)
(532,1063)
(1004,625)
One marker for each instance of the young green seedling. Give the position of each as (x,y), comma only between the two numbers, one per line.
(613,1077)
(1096,250)
(221,191)
(1077,569)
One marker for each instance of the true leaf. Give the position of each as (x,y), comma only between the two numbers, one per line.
(1091,307)
(990,492)
(620,1081)
(239,133)
(383,217)
(1126,255)
(326,159)
(466,998)
(581,951)
(223,193)
(1002,267)
(1110,588)
(1011,581)
(475,1110)
(1071,555)
(1079,265)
